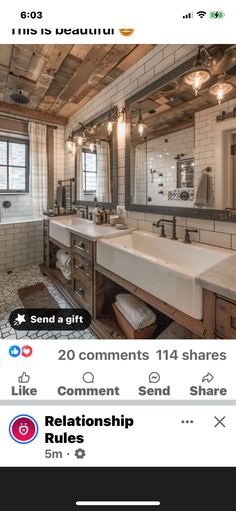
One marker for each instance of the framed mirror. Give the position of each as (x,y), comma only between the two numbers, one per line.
(180,151)
(96,163)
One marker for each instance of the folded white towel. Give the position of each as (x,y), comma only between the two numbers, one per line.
(66,272)
(63,257)
(135,311)
(203,191)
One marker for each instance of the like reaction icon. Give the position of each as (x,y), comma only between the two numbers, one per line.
(16,351)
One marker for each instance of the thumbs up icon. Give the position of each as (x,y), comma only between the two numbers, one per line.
(24,378)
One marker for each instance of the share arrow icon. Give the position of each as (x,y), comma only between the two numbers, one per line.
(208,377)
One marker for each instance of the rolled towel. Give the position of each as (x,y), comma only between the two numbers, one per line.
(135,311)
(63,257)
(65,272)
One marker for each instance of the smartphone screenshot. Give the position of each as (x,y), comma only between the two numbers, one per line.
(117,255)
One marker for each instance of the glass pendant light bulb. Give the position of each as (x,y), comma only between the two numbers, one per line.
(91,146)
(221,88)
(80,140)
(70,144)
(140,124)
(198,75)
(109,127)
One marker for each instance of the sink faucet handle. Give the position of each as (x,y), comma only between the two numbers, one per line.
(162,226)
(187,238)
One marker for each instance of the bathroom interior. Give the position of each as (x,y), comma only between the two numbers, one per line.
(118,188)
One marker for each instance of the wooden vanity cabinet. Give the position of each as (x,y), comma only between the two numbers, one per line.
(82,271)
(225,325)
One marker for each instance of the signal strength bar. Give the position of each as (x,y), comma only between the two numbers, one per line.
(188,16)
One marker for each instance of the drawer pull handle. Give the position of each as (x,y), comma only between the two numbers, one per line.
(82,268)
(81,290)
(81,245)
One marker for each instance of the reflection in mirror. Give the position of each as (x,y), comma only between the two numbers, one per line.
(95,148)
(180,143)
(93,172)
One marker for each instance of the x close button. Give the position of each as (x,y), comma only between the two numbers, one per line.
(219,422)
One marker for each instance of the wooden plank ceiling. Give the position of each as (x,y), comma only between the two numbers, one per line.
(60,79)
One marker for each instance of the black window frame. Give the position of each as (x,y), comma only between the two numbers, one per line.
(86,150)
(25,142)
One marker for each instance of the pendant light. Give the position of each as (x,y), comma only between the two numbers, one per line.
(80,140)
(70,144)
(198,75)
(109,123)
(221,88)
(141,124)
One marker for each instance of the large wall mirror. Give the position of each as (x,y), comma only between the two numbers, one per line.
(96,163)
(181,139)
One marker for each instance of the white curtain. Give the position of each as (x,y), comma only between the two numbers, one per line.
(103,185)
(79,174)
(38,167)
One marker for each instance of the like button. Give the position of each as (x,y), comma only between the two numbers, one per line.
(24,378)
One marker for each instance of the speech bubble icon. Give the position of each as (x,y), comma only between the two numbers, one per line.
(154,377)
(88,377)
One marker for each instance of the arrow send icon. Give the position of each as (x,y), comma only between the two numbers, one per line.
(208,378)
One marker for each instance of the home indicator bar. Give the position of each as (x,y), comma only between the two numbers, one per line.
(118,503)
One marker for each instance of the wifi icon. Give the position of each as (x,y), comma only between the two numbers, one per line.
(201,14)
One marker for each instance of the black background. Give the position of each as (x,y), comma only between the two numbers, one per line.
(57,489)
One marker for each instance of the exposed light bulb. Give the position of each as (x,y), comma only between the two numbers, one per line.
(221,88)
(140,124)
(109,127)
(141,129)
(70,144)
(220,95)
(197,82)
(80,140)
(91,147)
(198,75)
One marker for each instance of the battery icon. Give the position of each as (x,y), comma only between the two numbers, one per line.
(217,15)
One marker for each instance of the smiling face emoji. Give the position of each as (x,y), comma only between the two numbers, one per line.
(126,32)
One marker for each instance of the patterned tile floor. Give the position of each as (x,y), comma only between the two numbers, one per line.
(9,300)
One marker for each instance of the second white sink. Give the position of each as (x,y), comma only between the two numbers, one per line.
(164,268)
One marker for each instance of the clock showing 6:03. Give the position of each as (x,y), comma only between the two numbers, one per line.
(31,14)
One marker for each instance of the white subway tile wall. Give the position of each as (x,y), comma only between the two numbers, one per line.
(157,157)
(155,64)
(21,244)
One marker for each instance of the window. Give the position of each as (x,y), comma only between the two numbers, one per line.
(89,170)
(14,169)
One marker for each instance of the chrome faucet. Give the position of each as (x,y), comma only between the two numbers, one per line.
(161,223)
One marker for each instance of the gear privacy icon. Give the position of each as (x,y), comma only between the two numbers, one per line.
(80,454)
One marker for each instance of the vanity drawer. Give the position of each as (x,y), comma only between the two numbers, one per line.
(82,246)
(82,292)
(81,266)
(225,318)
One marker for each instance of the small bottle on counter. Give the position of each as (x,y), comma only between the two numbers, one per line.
(104,215)
(98,218)
(95,211)
(109,213)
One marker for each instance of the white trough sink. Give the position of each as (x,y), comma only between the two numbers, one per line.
(59,228)
(166,269)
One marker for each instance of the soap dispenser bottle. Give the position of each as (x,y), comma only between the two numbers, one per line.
(95,211)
